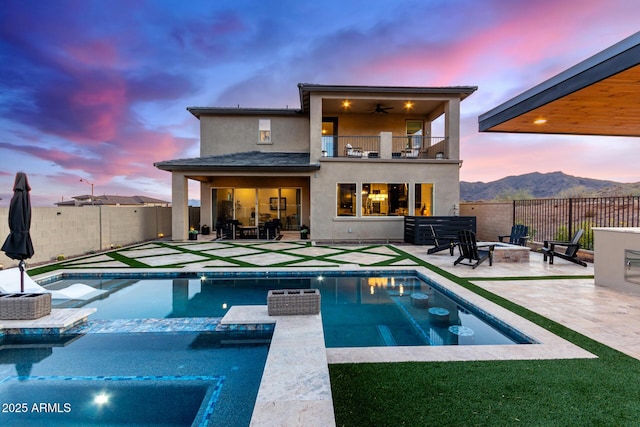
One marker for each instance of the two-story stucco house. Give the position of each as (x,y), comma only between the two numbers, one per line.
(350,163)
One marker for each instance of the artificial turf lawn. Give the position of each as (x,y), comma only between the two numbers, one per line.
(586,392)
(575,392)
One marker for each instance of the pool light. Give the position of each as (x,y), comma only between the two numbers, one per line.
(101,399)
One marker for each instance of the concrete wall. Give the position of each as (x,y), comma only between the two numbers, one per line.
(77,231)
(228,134)
(492,219)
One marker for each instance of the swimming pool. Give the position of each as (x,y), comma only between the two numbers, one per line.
(358,310)
(190,378)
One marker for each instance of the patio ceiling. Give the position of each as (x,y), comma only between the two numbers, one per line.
(426,101)
(599,96)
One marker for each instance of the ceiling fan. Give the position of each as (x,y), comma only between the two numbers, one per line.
(380,109)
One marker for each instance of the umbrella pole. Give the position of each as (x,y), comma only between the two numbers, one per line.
(21,266)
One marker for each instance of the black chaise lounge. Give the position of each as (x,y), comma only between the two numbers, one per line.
(471,252)
(519,235)
(571,254)
(442,243)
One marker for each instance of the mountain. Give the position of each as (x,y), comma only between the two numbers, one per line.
(543,185)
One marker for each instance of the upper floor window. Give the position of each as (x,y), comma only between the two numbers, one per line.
(264,130)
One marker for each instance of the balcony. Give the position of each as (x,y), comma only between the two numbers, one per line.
(374,147)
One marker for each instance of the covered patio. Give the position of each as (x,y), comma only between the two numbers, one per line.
(598,96)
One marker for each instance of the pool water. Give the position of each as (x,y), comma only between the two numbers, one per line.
(178,379)
(357,311)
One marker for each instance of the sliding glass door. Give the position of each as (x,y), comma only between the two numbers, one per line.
(255,206)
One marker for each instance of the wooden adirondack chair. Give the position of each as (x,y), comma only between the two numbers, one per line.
(442,243)
(519,235)
(471,252)
(570,254)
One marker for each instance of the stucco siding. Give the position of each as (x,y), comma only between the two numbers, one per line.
(228,134)
(329,226)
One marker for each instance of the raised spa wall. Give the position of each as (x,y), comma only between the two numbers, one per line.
(615,265)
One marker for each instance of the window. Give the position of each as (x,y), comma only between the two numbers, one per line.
(423,200)
(385,199)
(346,200)
(264,129)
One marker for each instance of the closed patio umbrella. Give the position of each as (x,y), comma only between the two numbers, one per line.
(18,244)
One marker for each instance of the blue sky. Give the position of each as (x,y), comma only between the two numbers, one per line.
(98,90)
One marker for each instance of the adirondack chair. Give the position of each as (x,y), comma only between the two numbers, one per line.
(519,235)
(442,243)
(471,252)
(570,254)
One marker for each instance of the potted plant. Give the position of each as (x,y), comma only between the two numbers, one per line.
(304,232)
(193,234)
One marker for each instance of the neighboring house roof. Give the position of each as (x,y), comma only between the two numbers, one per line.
(113,200)
(598,96)
(247,161)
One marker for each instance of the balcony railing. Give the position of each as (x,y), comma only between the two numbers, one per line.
(350,146)
(419,147)
(402,147)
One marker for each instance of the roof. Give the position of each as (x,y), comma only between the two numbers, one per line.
(231,111)
(247,161)
(306,89)
(598,96)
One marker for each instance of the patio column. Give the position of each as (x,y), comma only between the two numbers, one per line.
(452,128)
(386,141)
(179,206)
(205,205)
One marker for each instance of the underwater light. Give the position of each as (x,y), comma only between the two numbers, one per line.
(101,399)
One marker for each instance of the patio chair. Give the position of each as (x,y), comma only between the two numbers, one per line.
(519,235)
(440,244)
(470,251)
(349,151)
(570,254)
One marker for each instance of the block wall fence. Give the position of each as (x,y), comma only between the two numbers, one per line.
(492,219)
(74,231)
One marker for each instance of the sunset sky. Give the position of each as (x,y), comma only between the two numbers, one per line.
(98,89)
